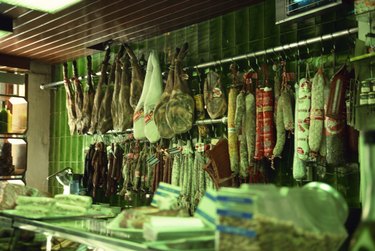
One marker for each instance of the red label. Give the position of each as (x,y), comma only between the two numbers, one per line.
(148,117)
(138,114)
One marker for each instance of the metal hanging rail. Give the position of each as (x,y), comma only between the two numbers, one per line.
(282,47)
(252,54)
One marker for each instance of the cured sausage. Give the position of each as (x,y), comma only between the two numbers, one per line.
(303,118)
(316,113)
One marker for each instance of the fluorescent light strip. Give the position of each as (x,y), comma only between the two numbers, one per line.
(50,6)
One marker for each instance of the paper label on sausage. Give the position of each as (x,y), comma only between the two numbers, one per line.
(217,93)
(138,114)
(148,117)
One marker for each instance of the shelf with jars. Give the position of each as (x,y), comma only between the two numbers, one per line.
(13,126)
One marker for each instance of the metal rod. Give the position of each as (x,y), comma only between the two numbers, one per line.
(211,121)
(57,83)
(282,47)
(252,54)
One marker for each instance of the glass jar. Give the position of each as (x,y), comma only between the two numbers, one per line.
(365,86)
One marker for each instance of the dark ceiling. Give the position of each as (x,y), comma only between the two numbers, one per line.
(54,38)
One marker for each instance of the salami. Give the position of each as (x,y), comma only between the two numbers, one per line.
(232,132)
(259,145)
(268,127)
(299,168)
(316,113)
(250,126)
(303,118)
(280,130)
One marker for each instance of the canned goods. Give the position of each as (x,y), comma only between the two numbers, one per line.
(363,99)
(365,86)
(371,98)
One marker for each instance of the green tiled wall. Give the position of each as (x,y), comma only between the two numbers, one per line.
(243,31)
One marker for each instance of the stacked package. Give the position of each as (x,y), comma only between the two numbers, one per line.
(266,218)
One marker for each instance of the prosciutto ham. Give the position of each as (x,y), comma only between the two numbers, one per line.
(139,117)
(160,109)
(180,108)
(126,111)
(214,96)
(136,84)
(88,99)
(70,104)
(152,98)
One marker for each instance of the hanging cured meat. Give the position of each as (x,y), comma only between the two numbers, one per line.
(88,99)
(268,127)
(180,108)
(299,168)
(125,111)
(78,98)
(250,126)
(69,98)
(259,144)
(303,117)
(153,97)
(214,97)
(316,113)
(136,85)
(232,132)
(99,163)
(160,109)
(139,116)
(335,120)
(280,131)
(240,127)
(99,92)
(115,105)
(105,122)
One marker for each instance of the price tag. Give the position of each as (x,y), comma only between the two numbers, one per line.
(151,161)
(199,147)
(174,150)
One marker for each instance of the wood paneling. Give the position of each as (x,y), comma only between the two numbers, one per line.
(68,33)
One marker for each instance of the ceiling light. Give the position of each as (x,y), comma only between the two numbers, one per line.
(6,25)
(51,6)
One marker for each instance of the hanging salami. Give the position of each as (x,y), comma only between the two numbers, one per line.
(316,113)
(299,168)
(303,118)
(259,144)
(232,131)
(268,127)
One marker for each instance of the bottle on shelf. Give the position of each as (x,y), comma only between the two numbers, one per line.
(10,119)
(364,237)
(3,119)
